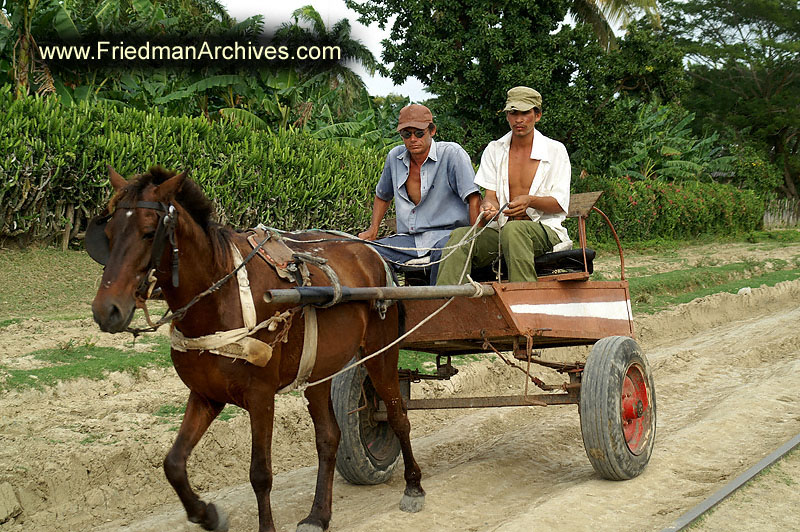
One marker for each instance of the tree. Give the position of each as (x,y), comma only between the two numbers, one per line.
(469,53)
(744,60)
(340,75)
(600,15)
(21,22)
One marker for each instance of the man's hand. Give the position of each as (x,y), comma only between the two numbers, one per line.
(517,207)
(488,210)
(369,234)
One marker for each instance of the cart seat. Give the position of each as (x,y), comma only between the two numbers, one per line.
(556,262)
(570,260)
(553,263)
(415,272)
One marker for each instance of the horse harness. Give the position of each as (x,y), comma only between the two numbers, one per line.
(235,343)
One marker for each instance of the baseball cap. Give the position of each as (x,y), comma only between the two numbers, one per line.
(523,99)
(414,115)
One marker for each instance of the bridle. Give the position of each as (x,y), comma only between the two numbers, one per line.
(98,246)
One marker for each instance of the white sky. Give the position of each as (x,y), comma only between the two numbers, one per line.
(332,11)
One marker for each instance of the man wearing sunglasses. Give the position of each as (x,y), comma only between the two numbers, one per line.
(432,184)
(530,174)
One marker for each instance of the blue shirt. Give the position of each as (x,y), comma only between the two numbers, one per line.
(446,179)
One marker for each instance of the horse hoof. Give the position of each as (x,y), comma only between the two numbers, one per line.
(412,503)
(222,518)
(307,527)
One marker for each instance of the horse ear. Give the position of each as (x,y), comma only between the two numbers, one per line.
(170,187)
(117,181)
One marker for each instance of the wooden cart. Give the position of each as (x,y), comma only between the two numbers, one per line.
(613,389)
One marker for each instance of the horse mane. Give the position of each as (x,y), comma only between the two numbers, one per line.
(192,198)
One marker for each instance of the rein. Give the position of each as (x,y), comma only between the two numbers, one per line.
(97,246)
(178,314)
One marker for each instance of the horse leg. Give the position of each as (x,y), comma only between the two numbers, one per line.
(327,435)
(200,412)
(261,419)
(382,371)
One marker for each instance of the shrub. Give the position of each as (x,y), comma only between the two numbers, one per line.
(753,170)
(650,209)
(54,156)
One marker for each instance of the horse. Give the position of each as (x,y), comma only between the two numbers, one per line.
(158,231)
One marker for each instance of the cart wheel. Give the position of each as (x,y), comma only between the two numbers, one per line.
(618,408)
(368,450)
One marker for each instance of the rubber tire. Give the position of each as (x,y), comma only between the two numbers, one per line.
(601,408)
(354,459)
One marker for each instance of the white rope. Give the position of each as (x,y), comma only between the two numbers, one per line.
(397,248)
(477,293)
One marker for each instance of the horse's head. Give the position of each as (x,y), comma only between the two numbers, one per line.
(131,238)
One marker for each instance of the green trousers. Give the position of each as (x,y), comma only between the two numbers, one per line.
(520,240)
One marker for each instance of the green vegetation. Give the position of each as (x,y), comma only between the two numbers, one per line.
(426,362)
(644,210)
(44,282)
(652,293)
(287,180)
(744,63)
(88,361)
(469,54)
(291,181)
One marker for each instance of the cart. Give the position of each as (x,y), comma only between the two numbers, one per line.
(613,389)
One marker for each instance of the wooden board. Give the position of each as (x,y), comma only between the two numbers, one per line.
(555,313)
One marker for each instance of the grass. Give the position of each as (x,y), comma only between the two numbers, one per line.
(662,245)
(649,304)
(172,414)
(651,293)
(46,282)
(70,362)
(11,321)
(426,362)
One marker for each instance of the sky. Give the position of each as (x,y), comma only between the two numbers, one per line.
(332,11)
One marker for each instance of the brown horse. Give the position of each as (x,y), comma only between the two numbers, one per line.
(202,250)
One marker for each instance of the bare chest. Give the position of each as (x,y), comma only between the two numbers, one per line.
(413,183)
(521,170)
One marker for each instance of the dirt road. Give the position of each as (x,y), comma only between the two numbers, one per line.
(727,374)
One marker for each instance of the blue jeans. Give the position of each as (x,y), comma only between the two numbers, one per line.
(403,256)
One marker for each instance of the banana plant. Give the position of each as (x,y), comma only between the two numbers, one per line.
(17,40)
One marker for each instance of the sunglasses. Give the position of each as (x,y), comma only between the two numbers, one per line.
(419,133)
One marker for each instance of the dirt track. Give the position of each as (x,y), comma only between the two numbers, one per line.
(727,374)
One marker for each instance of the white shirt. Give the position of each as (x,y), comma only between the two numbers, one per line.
(552,179)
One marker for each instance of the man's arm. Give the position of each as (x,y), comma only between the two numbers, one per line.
(474,202)
(379,208)
(545,204)
(556,194)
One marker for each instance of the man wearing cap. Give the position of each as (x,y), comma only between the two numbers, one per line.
(531,173)
(432,184)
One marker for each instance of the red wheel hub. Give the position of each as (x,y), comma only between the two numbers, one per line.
(635,409)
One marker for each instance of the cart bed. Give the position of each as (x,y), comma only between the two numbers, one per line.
(554,313)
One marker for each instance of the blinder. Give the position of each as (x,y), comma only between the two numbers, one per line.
(95,239)
(98,245)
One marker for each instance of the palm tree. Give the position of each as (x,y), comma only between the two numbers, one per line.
(339,76)
(601,14)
